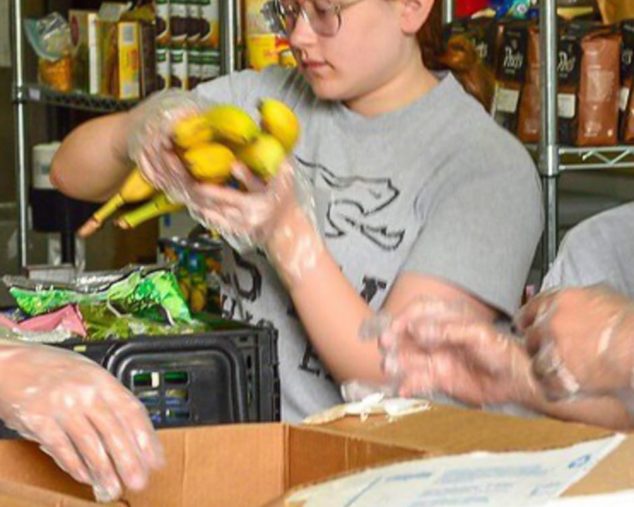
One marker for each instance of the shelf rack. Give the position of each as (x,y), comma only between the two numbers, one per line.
(553,159)
(24,93)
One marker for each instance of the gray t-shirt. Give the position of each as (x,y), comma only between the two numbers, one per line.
(597,250)
(435,188)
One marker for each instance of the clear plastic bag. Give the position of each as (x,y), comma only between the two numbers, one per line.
(248,211)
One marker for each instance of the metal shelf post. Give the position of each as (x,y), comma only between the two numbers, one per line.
(447,11)
(548,145)
(23,93)
(228,10)
(19,112)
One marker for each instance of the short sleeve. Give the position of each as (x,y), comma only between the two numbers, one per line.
(597,250)
(481,224)
(246,87)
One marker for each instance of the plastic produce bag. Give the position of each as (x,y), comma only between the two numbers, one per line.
(50,38)
(230,169)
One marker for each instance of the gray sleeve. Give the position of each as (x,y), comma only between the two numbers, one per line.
(597,250)
(232,88)
(482,224)
(246,87)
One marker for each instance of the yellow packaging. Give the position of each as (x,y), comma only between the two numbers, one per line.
(262,50)
(128,55)
(58,74)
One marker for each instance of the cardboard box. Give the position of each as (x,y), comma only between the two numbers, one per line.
(251,465)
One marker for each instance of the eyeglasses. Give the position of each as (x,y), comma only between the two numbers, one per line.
(324,16)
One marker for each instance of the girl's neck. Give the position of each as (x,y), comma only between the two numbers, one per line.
(414,81)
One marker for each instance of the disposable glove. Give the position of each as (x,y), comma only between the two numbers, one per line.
(80,415)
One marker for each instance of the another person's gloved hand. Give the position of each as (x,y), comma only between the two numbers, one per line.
(150,143)
(582,340)
(80,415)
(434,346)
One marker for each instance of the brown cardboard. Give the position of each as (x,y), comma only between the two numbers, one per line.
(250,465)
(233,465)
(450,430)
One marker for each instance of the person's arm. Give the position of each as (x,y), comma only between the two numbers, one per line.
(604,411)
(92,161)
(332,311)
(436,347)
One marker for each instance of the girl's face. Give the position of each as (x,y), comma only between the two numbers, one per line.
(366,54)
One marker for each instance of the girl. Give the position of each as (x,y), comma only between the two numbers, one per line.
(416,191)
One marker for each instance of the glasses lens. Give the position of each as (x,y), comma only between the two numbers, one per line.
(322,15)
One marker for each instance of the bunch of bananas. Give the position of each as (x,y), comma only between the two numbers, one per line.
(209,143)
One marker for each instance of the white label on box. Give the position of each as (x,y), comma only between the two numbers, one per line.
(515,479)
(506,100)
(566,105)
(624,96)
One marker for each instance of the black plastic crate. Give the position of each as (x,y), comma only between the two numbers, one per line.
(223,376)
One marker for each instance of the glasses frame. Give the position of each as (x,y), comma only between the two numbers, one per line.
(337,8)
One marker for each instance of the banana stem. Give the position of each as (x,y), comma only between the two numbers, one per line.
(156,207)
(108,208)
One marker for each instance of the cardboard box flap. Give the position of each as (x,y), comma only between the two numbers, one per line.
(315,455)
(196,457)
(451,430)
(253,448)
(19,495)
(614,473)
(23,462)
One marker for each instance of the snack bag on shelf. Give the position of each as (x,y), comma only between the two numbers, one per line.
(50,38)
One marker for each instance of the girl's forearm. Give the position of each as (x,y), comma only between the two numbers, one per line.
(327,304)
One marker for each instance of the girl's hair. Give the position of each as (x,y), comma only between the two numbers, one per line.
(458,55)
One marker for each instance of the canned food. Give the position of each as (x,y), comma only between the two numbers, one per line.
(205,269)
(178,22)
(194,67)
(178,68)
(209,24)
(162,9)
(163,68)
(193,22)
(209,64)
(175,251)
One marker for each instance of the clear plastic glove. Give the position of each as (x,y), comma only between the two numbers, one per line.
(80,415)
(150,143)
(439,347)
(581,340)
(276,216)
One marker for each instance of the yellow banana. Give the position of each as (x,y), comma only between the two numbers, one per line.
(263,155)
(134,189)
(230,123)
(159,205)
(280,121)
(209,162)
(192,131)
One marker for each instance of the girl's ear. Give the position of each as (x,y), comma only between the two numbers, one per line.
(414,13)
